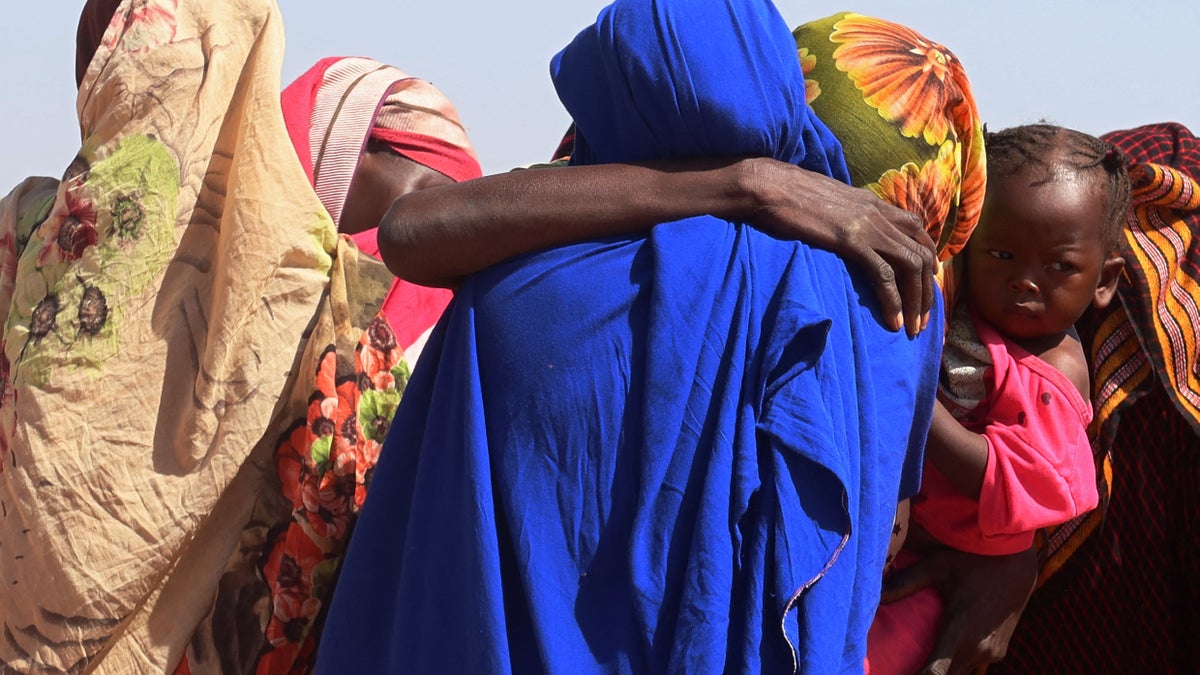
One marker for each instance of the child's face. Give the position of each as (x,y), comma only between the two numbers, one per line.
(1034,263)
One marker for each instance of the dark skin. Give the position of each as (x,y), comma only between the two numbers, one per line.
(1036,262)
(439,235)
(983,597)
(382,175)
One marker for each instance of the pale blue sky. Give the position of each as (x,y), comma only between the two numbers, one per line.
(1094,65)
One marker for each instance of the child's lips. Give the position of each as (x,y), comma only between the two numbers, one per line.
(1027,311)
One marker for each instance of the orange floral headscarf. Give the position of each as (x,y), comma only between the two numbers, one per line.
(906,102)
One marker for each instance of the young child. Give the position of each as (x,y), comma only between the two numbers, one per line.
(1008,451)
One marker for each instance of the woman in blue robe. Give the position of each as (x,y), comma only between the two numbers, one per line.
(679,451)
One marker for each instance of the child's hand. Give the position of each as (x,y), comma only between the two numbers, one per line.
(983,599)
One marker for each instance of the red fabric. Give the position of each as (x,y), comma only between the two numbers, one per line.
(566,146)
(1040,470)
(443,157)
(298,99)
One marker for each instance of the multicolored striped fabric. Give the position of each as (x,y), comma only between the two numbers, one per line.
(1164,267)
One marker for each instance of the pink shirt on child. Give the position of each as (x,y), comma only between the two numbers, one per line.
(1040,470)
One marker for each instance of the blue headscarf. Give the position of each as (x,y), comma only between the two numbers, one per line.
(647,453)
(639,86)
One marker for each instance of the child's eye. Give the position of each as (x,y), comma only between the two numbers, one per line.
(1000,255)
(1061,266)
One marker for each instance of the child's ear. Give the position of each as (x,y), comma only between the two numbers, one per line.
(1110,275)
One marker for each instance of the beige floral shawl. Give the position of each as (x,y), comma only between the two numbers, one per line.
(166,306)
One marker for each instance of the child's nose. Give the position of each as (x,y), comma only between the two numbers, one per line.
(1024,284)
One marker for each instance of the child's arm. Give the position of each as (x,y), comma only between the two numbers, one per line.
(960,455)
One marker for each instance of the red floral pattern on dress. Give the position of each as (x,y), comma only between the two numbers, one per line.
(325,463)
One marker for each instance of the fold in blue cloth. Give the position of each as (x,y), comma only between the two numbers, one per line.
(678,452)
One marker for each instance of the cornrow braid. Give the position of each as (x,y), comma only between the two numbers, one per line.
(1050,149)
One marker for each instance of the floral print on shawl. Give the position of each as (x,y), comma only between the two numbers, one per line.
(812,88)
(107,234)
(923,190)
(908,79)
(917,125)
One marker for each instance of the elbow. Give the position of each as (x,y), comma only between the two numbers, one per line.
(396,248)
(407,254)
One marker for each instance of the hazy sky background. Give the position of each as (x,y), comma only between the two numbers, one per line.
(1093,65)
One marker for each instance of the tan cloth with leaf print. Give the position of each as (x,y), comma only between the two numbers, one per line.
(158,309)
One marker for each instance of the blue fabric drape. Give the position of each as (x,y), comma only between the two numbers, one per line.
(678,452)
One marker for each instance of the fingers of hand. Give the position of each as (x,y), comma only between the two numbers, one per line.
(911,283)
(896,253)
(883,277)
(954,653)
(994,648)
(944,655)
(911,225)
(917,239)
(913,266)
(938,667)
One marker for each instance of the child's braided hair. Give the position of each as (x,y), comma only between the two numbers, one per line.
(1053,148)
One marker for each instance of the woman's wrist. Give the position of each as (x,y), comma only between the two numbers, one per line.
(750,187)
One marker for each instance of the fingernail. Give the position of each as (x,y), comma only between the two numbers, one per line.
(924,320)
(898,322)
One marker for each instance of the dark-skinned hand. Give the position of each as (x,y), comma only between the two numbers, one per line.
(983,598)
(888,244)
